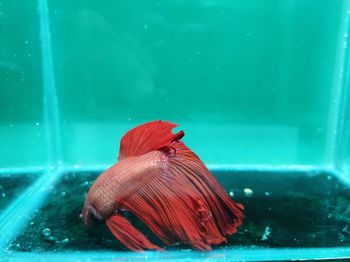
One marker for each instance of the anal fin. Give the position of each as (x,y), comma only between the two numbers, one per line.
(128,234)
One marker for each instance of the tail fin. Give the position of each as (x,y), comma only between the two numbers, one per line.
(185,203)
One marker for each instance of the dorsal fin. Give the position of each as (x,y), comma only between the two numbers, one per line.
(147,137)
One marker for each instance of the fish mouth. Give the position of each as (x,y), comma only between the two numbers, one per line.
(89,214)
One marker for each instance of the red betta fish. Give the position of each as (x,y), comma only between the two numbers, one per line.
(160,180)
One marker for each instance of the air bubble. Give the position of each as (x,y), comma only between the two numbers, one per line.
(266,234)
(46,232)
(248,192)
(65,241)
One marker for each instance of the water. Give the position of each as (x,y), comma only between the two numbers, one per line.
(293,209)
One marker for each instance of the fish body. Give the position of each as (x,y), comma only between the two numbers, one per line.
(121,180)
(166,185)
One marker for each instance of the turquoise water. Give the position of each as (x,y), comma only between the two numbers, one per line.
(260,87)
(265,72)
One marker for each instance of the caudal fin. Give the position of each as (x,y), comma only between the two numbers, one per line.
(183,202)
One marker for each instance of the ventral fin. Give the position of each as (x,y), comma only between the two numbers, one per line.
(128,234)
(148,137)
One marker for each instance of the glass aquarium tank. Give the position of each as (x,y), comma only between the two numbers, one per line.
(260,88)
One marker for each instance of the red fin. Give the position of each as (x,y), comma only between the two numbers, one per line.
(185,203)
(147,137)
(227,213)
(173,214)
(128,234)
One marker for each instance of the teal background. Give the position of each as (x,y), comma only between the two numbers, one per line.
(251,83)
